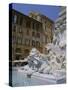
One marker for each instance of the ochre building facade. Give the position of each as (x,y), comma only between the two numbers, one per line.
(29,32)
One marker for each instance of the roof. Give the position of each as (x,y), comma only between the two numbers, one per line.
(26,16)
(43,16)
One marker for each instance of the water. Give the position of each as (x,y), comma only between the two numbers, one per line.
(21,79)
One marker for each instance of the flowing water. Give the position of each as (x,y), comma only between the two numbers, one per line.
(21,79)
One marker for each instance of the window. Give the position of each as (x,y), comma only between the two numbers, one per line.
(27,42)
(26,52)
(21,20)
(20,30)
(13,39)
(14,18)
(37,27)
(37,43)
(28,24)
(14,28)
(27,32)
(33,33)
(38,35)
(33,43)
(33,25)
(17,21)
(18,50)
(17,57)
(45,22)
(18,40)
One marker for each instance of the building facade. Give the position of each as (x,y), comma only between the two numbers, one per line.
(28,33)
(48,28)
